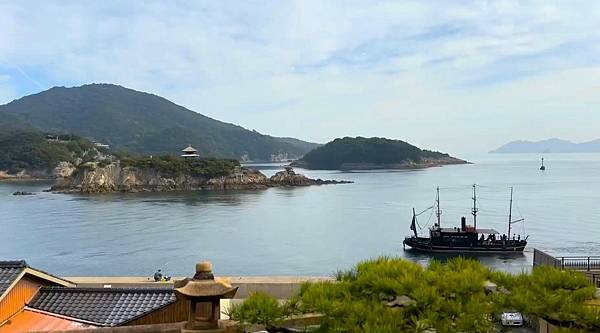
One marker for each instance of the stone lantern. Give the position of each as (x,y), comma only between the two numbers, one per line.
(204,294)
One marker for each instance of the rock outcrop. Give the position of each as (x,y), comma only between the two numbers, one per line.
(114,178)
(64,170)
(288,177)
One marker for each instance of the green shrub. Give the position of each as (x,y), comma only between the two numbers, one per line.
(260,309)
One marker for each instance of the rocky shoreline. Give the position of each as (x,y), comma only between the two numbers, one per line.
(114,178)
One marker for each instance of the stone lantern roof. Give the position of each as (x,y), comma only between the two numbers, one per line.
(204,284)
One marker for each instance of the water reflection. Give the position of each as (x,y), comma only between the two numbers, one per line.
(196,198)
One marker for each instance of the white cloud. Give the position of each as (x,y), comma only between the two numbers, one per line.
(414,70)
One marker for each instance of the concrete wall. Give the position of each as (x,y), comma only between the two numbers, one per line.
(280,287)
(277,287)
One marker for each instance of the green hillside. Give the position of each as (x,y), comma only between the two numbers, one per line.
(30,151)
(143,123)
(371,153)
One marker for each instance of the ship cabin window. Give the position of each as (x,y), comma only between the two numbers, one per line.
(455,237)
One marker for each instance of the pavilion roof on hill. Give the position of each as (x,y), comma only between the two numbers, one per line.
(189,149)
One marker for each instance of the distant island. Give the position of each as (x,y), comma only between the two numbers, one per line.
(372,153)
(142,123)
(548,146)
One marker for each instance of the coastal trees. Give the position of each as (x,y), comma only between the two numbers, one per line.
(176,166)
(31,150)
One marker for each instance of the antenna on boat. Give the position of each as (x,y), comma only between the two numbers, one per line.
(510,208)
(438,212)
(475,210)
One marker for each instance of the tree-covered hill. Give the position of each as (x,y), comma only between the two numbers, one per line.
(31,152)
(372,153)
(142,123)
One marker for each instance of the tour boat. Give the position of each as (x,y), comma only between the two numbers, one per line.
(466,238)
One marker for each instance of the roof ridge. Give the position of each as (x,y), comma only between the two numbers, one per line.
(101,289)
(49,274)
(23,264)
(13,264)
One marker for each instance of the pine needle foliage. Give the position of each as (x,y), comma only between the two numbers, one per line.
(449,297)
(258,308)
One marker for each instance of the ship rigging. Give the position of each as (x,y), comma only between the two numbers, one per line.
(465,238)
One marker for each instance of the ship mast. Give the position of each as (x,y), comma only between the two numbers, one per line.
(510,221)
(438,212)
(510,209)
(475,210)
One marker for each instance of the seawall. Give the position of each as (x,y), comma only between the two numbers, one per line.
(280,287)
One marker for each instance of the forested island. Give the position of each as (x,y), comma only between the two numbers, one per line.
(372,153)
(80,165)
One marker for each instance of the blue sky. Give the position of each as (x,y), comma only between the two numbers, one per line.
(458,76)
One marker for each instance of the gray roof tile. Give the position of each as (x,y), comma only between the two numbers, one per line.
(9,271)
(104,306)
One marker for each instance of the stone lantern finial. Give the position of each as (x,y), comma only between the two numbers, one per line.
(204,271)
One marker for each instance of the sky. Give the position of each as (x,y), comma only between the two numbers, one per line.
(454,76)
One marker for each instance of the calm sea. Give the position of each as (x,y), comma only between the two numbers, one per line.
(301,231)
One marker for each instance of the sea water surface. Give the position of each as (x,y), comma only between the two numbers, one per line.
(302,231)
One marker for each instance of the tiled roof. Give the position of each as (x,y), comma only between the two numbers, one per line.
(9,271)
(33,321)
(104,306)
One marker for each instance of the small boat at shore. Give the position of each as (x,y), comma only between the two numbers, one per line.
(466,238)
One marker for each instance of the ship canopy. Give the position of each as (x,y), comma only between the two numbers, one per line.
(479,231)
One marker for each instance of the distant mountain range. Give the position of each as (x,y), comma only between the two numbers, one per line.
(549,146)
(141,123)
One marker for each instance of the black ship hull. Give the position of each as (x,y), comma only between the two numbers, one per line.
(425,245)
